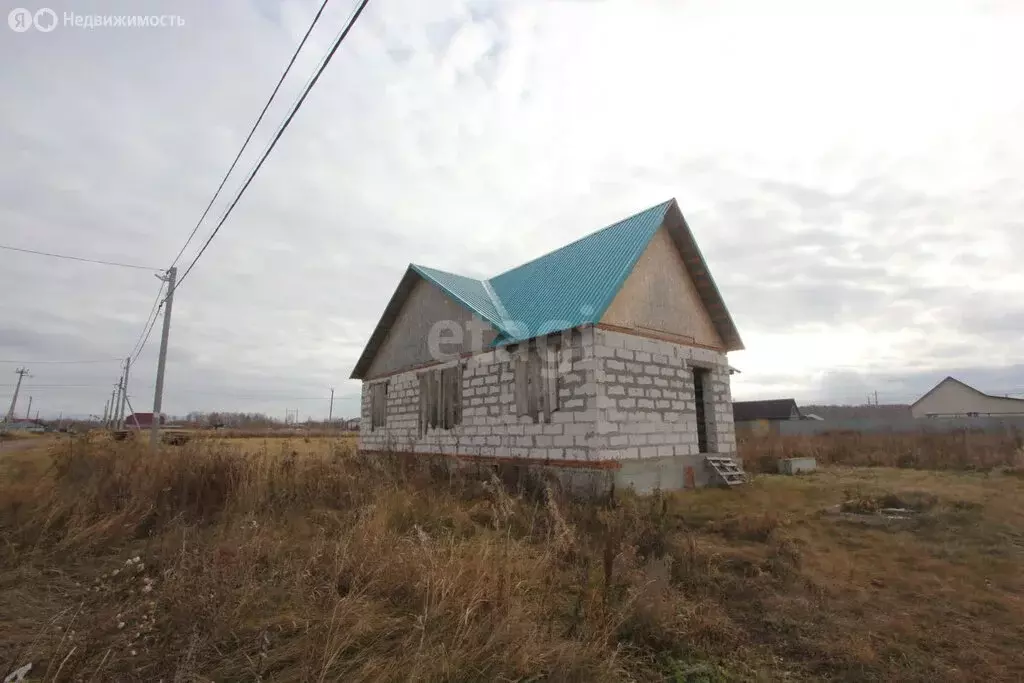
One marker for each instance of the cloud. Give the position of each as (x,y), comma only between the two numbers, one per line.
(860,209)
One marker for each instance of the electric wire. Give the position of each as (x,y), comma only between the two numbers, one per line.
(252,131)
(277,136)
(78,258)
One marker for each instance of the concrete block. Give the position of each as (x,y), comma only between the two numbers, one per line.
(580,428)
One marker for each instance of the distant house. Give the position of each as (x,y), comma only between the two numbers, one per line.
(763,417)
(142,420)
(953,398)
(34,426)
(603,362)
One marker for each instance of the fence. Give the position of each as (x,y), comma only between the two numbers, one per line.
(899,425)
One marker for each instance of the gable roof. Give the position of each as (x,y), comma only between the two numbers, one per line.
(566,288)
(772,409)
(963,384)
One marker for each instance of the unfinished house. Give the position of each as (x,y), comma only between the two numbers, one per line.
(603,363)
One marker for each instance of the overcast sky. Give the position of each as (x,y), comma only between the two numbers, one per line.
(854,178)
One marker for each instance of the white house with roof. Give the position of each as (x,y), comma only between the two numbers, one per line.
(604,362)
(953,398)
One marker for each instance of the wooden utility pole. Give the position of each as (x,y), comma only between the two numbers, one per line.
(330,411)
(158,394)
(20,372)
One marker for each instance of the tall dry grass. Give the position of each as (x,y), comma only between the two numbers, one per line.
(287,567)
(207,563)
(964,450)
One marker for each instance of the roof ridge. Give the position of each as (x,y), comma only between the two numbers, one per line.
(428,273)
(498,305)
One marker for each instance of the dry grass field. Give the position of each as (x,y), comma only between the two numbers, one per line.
(295,560)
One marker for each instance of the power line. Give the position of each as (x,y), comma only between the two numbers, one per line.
(252,130)
(277,136)
(78,258)
(70,362)
(148,325)
(145,337)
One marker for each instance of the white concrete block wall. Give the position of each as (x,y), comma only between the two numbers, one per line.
(646,398)
(622,397)
(490,425)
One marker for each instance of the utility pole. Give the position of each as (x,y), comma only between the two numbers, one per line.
(124,393)
(20,372)
(117,402)
(876,397)
(28,413)
(330,411)
(106,408)
(158,395)
(110,417)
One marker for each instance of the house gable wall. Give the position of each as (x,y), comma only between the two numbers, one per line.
(659,295)
(407,344)
(953,398)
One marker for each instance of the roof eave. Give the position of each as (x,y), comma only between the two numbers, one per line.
(697,266)
(387,318)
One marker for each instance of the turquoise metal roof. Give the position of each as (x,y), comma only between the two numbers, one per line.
(574,285)
(471,293)
(566,288)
